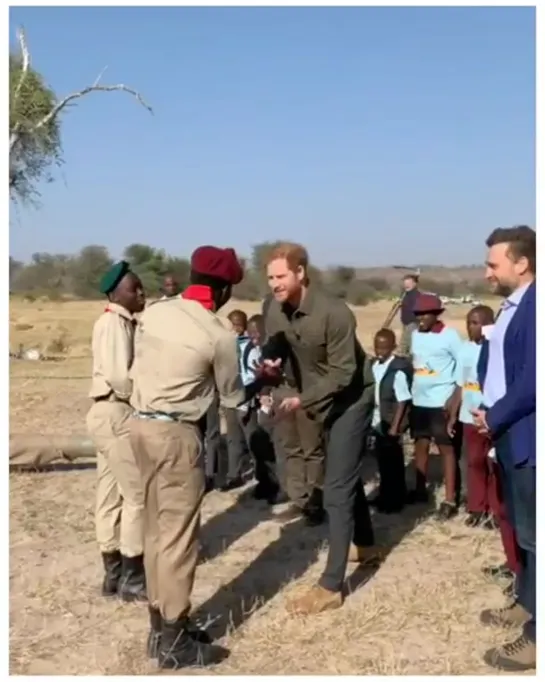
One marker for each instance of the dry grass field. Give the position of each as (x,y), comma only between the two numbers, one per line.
(416,614)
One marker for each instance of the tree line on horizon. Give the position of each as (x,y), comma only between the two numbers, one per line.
(65,276)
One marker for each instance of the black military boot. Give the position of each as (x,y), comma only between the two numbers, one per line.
(132,584)
(178,647)
(154,635)
(112,573)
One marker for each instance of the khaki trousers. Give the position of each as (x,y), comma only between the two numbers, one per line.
(119,513)
(299,441)
(170,457)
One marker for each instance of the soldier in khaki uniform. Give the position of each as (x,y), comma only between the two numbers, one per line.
(119,496)
(183,354)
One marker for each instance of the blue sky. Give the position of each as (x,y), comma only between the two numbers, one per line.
(372,135)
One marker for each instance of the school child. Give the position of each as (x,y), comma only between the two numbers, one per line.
(236,441)
(247,417)
(485,503)
(480,480)
(393,379)
(434,349)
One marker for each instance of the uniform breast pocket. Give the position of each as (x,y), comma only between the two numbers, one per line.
(314,346)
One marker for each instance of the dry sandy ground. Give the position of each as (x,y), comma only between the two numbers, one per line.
(416,614)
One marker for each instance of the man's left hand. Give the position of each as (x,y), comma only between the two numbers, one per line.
(479,419)
(290,404)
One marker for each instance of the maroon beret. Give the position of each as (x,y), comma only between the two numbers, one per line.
(428,303)
(216,262)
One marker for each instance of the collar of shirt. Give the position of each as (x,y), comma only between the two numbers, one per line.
(515,298)
(200,294)
(305,307)
(119,310)
(386,362)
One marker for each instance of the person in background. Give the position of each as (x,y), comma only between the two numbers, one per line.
(507,376)
(236,440)
(119,515)
(319,332)
(256,436)
(477,469)
(393,378)
(170,287)
(406,311)
(435,349)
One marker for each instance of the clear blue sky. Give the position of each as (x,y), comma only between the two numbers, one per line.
(373,135)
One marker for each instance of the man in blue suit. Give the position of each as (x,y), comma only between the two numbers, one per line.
(507,374)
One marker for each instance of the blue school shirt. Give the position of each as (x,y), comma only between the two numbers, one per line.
(401,388)
(435,357)
(466,378)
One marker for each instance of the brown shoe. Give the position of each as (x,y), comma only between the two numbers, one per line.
(315,600)
(365,555)
(510,616)
(514,657)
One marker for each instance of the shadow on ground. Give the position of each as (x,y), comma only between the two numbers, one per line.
(292,554)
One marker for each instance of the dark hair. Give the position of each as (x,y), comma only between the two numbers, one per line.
(413,277)
(386,334)
(521,241)
(258,319)
(485,311)
(238,313)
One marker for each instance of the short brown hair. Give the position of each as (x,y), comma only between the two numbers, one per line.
(295,255)
(521,241)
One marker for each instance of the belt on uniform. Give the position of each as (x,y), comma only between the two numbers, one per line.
(171,417)
(110,399)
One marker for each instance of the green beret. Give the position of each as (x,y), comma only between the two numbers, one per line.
(114,275)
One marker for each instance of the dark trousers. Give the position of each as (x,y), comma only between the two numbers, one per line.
(244,430)
(344,497)
(212,441)
(519,488)
(299,441)
(237,448)
(391,469)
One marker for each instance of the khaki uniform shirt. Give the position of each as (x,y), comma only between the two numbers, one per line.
(319,342)
(182,353)
(112,347)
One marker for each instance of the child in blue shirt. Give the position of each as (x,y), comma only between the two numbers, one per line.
(481,482)
(393,378)
(434,349)
(255,436)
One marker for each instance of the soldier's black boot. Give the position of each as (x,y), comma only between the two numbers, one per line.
(132,584)
(112,573)
(154,635)
(178,647)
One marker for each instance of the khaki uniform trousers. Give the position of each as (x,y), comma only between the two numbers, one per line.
(119,515)
(170,457)
(299,441)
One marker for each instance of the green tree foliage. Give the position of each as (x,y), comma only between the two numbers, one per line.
(61,275)
(36,147)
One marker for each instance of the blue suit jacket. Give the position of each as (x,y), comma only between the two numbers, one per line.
(515,414)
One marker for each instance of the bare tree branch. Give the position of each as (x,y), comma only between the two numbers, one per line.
(14,136)
(25,63)
(99,77)
(25,54)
